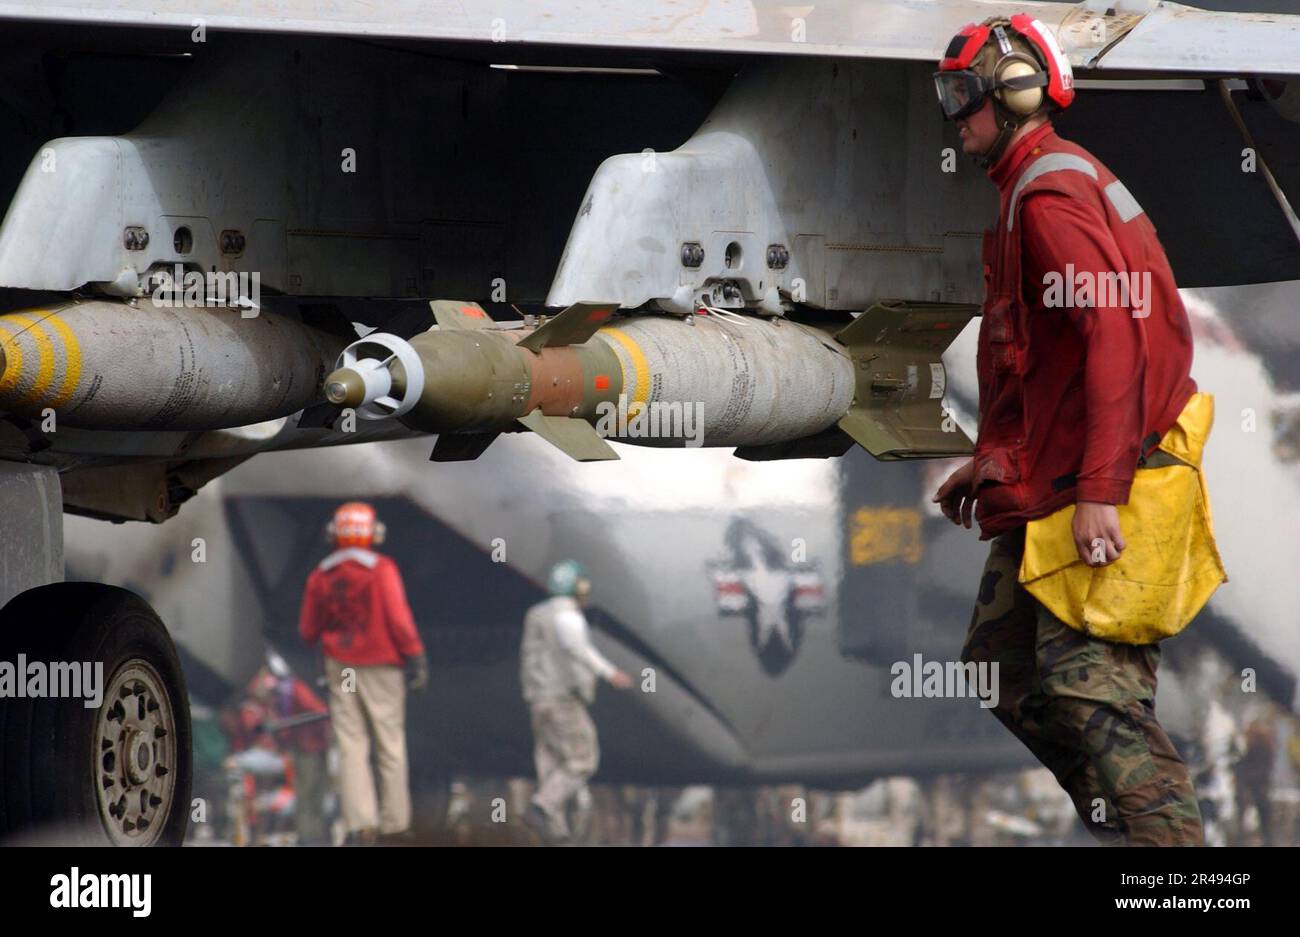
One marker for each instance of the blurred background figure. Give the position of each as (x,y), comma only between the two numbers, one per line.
(211,786)
(1286,791)
(300,726)
(1254,776)
(260,773)
(280,738)
(355,606)
(558,668)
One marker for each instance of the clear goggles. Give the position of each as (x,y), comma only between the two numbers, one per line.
(961,93)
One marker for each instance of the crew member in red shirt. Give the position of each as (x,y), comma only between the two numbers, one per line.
(274,696)
(1083,363)
(355,606)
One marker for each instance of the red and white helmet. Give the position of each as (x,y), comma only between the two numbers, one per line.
(1017,62)
(355,525)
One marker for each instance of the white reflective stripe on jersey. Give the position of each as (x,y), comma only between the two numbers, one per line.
(1052,162)
(1123,201)
(366,558)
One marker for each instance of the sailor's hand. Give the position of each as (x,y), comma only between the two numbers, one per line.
(620,680)
(956,496)
(417,673)
(1097,536)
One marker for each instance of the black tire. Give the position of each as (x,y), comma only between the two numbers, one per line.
(65,774)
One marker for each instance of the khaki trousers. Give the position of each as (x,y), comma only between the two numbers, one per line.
(368,705)
(566,752)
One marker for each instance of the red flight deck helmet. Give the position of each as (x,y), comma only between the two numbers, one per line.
(1016,63)
(354,525)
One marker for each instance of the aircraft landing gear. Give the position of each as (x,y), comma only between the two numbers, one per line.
(118,773)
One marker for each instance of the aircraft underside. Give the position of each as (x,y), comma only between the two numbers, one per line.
(251,243)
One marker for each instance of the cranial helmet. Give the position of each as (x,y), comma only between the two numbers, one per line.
(567,577)
(354,525)
(1014,62)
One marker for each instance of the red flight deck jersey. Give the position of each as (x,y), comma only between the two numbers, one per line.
(289,697)
(355,605)
(1078,382)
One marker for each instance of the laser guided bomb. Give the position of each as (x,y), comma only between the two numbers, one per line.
(773,388)
(106,364)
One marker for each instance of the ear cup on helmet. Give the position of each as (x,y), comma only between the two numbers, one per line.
(380,532)
(1022,101)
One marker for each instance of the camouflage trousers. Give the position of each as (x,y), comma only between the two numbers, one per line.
(1085,708)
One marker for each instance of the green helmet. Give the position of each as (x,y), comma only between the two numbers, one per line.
(564,577)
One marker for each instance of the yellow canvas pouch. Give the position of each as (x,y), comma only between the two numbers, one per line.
(1168,569)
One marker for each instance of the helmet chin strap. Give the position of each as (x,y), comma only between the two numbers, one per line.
(1009,126)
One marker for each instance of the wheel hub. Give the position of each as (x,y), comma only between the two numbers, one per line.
(135,755)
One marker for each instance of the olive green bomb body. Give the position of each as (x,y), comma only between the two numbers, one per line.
(478,381)
(771,387)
